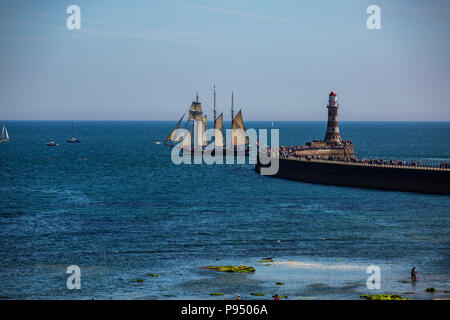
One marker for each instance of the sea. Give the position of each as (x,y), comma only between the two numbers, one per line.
(118,208)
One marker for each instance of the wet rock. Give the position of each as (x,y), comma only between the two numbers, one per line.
(231,268)
(383,297)
(265,260)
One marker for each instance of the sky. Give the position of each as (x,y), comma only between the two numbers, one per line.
(147,59)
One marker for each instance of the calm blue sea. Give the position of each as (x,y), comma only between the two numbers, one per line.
(127,212)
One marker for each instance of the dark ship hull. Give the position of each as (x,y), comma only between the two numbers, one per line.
(234,152)
(410,179)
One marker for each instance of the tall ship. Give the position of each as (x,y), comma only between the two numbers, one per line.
(196,141)
(5,136)
(332,161)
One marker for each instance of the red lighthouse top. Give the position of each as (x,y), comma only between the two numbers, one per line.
(333,93)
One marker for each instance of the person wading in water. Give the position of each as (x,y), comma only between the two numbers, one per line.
(414,274)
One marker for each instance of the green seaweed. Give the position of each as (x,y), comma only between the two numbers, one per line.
(140,280)
(279,283)
(383,297)
(258,294)
(153,275)
(404,281)
(231,268)
(431,289)
(283,297)
(216,294)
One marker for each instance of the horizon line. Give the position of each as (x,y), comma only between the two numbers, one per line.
(175,120)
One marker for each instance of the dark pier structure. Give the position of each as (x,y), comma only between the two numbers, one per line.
(332,162)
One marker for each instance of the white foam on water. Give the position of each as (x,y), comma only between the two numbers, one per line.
(317,266)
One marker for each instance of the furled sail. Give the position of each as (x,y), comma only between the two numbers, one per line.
(218,126)
(239,137)
(195,112)
(173,134)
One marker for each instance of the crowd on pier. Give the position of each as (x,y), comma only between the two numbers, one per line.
(290,152)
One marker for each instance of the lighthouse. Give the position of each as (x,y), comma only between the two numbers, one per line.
(332,136)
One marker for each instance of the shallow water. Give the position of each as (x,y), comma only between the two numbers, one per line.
(127,212)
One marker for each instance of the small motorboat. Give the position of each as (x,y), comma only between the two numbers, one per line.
(52,144)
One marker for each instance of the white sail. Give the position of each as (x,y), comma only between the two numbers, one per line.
(204,127)
(4,136)
(187,138)
(200,127)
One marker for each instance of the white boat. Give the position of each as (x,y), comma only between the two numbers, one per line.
(4,137)
(52,144)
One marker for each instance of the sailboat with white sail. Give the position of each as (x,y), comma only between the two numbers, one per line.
(197,121)
(5,136)
(73,140)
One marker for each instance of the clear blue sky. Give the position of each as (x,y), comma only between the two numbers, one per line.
(145,60)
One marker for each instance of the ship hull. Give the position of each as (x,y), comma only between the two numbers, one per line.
(235,152)
(421,180)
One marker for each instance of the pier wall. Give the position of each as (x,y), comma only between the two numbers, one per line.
(422,180)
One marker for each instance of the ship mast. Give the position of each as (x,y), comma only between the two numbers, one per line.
(232,103)
(215,104)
